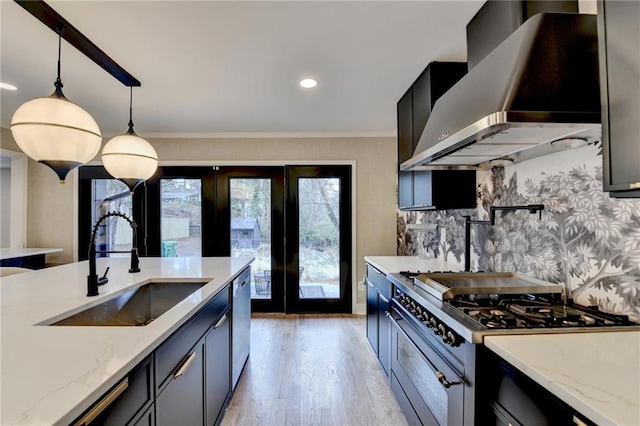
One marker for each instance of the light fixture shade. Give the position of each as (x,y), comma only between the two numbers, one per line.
(56,132)
(130,159)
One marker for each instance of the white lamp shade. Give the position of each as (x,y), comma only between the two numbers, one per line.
(130,158)
(53,130)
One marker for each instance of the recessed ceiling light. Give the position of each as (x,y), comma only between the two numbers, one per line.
(308,83)
(568,143)
(7,86)
(501,162)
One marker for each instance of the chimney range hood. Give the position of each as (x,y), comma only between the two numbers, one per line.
(539,85)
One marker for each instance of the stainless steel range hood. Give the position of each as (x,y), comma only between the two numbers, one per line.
(539,85)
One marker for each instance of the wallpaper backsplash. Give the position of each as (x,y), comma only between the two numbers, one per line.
(584,240)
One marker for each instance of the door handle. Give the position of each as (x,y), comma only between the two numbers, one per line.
(439,374)
(221,320)
(104,403)
(183,369)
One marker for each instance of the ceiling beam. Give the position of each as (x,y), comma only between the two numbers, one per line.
(52,19)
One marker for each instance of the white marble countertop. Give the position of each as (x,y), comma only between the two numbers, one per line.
(50,375)
(598,374)
(12,252)
(391,264)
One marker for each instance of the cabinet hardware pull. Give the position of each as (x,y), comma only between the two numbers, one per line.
(369,284)
(439,374)
(104,403)
(244,283)
(384,299)
(578,422)
(183,369)
(221,321)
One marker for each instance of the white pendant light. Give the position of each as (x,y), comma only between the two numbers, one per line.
(128,157)
(56,132)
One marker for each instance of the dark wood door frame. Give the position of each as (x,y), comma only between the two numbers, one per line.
(223,227)
(294,303)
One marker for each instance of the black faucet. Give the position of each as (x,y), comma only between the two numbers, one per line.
(92,279)
(533,208)
(467,239)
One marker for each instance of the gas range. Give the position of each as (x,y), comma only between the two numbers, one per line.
(460,307)
(526,311)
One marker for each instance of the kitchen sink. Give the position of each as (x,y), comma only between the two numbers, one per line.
(136,307)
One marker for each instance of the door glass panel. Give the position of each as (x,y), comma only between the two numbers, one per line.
(250,202)
(319,241)
(111,195)
(180,217)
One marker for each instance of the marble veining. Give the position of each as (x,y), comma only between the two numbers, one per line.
(598,374)
(50,375)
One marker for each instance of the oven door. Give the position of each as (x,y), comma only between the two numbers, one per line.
(433,389)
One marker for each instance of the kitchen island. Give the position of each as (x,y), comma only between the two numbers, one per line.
(51,375)
(32,258)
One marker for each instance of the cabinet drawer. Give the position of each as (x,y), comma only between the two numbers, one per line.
(403,402)
(172,352)
(124,401)
(379,280)
(147,418)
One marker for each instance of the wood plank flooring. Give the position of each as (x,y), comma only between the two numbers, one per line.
(312,370)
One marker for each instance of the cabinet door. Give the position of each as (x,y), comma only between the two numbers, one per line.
(619,33)
(124,401)
(405,127)
(405,190)
(384,334)
(182,401)
(372,316)
(217,368)
(241,324)
(422,189)
(147,419)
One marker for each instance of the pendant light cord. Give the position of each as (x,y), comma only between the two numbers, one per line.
(58,82)
(131,111)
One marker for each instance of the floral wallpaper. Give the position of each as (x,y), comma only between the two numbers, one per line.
(584,239)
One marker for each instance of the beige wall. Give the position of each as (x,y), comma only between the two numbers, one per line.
(51,220)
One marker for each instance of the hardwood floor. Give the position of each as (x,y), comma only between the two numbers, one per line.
(312,370)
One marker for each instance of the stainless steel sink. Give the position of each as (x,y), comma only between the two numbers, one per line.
(137,307)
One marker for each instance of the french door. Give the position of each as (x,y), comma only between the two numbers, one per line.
(250,222)
(318,232)
(294,220)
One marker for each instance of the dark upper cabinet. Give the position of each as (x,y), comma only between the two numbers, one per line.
(619,50)
(426,189)
(497,19)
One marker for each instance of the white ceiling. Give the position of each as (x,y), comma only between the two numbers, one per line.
(216,68)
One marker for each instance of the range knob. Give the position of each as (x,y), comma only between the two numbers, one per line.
(433,323)
(451,338)
(442,331)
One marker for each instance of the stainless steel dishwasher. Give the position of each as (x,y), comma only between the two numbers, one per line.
(241,325)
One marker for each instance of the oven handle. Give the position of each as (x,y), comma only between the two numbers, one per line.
(439,374)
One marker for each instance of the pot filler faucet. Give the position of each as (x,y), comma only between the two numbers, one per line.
(533,208)
(92,279)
